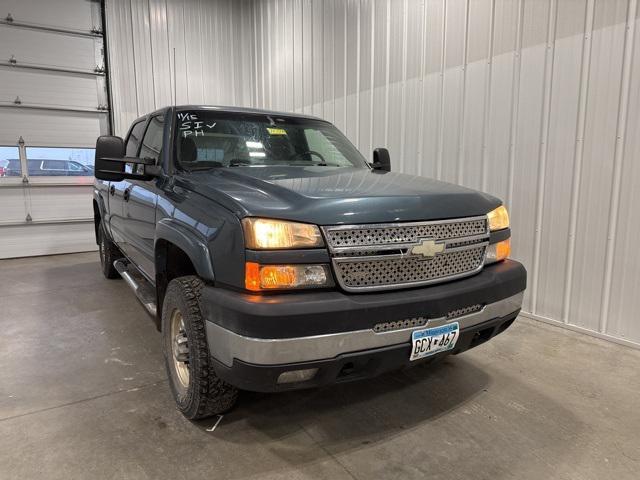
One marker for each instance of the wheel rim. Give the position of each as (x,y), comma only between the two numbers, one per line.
(180,349)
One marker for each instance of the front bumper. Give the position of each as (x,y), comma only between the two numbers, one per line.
(353,366)
(250,333)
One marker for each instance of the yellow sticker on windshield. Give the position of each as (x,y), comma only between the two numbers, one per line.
(276,131)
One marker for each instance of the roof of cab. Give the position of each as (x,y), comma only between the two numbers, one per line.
(222,108)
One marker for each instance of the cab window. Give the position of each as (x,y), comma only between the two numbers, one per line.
(133,142)
(152,141)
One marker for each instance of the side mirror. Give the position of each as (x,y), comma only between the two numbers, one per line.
(108,162)
(113,166)
(381,160)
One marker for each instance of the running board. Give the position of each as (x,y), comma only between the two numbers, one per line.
(139,284)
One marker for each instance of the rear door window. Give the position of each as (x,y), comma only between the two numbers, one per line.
(152,142)
(133,142)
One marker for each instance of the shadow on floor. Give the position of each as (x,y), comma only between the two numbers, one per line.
(363,411)
(411,419)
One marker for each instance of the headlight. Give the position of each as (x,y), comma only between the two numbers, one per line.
(265,234)
(498,218)
(280,277)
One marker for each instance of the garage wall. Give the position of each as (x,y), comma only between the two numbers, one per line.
(53,105)
(535,101)
(213,54)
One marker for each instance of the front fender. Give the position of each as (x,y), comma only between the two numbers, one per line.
(100,211)
(189,241)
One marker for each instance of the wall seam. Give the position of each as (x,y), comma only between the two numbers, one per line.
(515,103)
(463,102)
(373,72)
(358,72)
(585,70)
(423,67)
(487,100)
(443,61)
(386,93)
(544,148)
(403,97)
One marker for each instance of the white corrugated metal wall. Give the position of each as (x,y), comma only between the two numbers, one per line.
(213,54)
(535,101)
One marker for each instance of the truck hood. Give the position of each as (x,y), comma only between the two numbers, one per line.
(333,196)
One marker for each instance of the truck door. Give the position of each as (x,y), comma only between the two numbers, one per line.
(140,199)
(117,189)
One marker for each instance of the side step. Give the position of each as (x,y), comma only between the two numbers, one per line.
(139,284)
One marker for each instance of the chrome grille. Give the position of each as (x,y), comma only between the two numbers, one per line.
(378,257)
(411,233)
(408,270)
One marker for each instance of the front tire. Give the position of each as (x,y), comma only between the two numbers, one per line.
(108,254)
(197,390)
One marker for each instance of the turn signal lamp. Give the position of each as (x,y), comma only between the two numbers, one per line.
(498,251)
(284,277)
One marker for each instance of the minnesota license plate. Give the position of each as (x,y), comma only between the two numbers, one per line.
(430,341)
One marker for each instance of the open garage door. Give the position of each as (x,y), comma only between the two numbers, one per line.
(54,103)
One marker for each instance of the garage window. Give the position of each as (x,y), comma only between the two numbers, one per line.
(10,162)
(56,161)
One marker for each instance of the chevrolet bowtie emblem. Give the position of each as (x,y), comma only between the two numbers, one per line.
(428,248)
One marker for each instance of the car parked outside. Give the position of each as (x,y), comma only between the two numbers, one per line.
(49,168)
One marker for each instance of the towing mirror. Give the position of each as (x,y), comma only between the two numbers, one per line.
(112,165)
(381,160)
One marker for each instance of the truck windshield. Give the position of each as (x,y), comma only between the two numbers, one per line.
(212,139)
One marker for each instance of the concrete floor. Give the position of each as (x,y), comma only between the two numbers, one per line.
(83,395)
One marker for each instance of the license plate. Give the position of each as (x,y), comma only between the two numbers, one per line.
(430,341)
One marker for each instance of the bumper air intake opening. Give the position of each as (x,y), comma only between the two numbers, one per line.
(347,369)
(505,325)
(482,336)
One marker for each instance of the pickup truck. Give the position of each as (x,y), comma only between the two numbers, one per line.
(272,256)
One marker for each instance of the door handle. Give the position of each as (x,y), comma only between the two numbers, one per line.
(112,190)
(125,196)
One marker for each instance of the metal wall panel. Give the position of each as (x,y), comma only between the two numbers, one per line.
(60,13)
(213,44)
(596,181)
(47,239)
(536,101)
(51,128)
(51,89)
(52,48)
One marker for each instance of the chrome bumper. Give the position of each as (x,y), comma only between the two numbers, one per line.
(226,345)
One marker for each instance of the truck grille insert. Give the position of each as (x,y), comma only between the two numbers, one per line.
(397,234)
(388,256)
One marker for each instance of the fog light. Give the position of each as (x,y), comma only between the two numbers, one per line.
(297,375)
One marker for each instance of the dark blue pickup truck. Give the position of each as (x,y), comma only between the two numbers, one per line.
(273,256)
